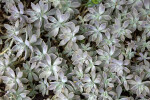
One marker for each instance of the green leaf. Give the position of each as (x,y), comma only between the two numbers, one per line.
(92,2)
(95,1)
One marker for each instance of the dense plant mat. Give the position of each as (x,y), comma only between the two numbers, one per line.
(74,49)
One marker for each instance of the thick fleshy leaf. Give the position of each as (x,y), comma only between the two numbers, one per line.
(41,4)
(80,37)
(76,30)
(106,17)
(97,80)
(135,12)
(86,79)
(118,90)
(44,47)
(11,72)
(63,42)
(112,50)
(65,16)
(44,74)
(8,27)
(52,19)
(126,62)
(52,87)
(126,69)
(21,8)
(71,95)
(75,4)
(129,76)
(74,39)
(121,2)
(137,79)
(147,4)
(102,26)
(97,63)
(23,95)
(119,7)
(125,24)
(57,61)
(58,15)
(45,8)
(54,32)
(91,10)
(131,82)
(100,52)
(36,78)
(14,9)
(101,8)
(33,38)
(114,1)
(48,59)
(15,48)
(64,79)
(19,75)
(35,7)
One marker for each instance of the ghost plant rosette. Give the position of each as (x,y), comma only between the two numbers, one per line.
(69,36)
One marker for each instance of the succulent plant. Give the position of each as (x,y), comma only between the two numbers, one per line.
(90,82)
(19,94)
(135,3)
(98,14)
(145,11)
(143,57)
(9,4)
(31,71)
(14,30)
(69,36)
(110,40)
(120,29)
(59,23)
(21,46)
(13,81)
(39,12)
(96,32)
(79,57)
(118,66)
(85,47)
(74,49)
(43,87)
(142,42)
(66,95)
(146,27)
(60,85)
(50,66)
(90,96)
(125,79)
(105,94)
(70,6)
(138,86)
(115,4)
(134,20)
(107,54)
(106,81)
(5,63)
(92,64)
(18,13)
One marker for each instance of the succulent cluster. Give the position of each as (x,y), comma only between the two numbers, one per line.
(75,50)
